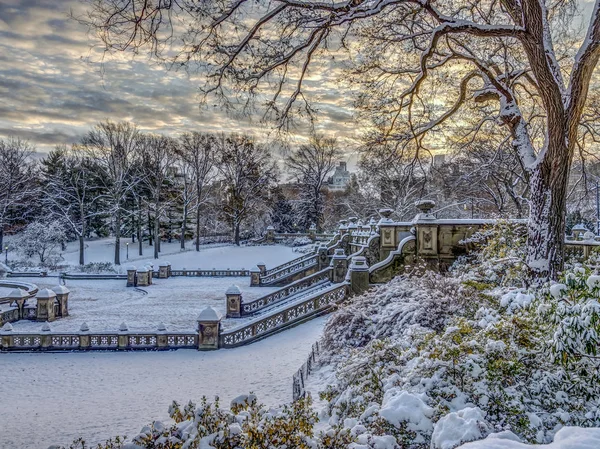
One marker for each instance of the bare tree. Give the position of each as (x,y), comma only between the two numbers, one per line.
(311,164)
(17,183)
(198,162)
(248,173)
(112,146)
(157,154)
(511,56)
(72,191)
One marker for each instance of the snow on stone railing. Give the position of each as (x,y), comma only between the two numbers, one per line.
(305,263)
(31,289)
(580,250)
(299,379)
(27,274)
(287,264)
(48,340)
(210,273)
(282,318)
(258,304)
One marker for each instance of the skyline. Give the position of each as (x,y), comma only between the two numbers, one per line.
(56,84)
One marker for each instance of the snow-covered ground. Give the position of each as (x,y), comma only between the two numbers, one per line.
(219,256)
(54,398)
(175,302)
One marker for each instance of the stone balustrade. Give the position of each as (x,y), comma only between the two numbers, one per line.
(302,268)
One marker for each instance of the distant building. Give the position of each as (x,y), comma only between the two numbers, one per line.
(340,179)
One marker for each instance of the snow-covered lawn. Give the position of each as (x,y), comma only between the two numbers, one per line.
(219,256)
(54,398)
(175,302)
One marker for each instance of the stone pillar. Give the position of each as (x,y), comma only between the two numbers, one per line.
(359,275)
(161,337)
(19,297)
(163,270)
(234,302)
(262,267)
(142,277)
(343,227)
(168,269)
(254,277)
(209,323)
(373,225)
(270,234)
(84,337)
(62,296)
(46,336)
(131,273)
(323,257)
(312,232)
(45,305)
(427,230)
(123,339)
(6,337)
(150,269)
(339,262)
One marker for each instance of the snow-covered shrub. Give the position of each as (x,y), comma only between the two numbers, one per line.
(97,268)
(43,239)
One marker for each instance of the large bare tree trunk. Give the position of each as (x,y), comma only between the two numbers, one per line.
(118,237)
(183,226)
(198,229)
(139,229)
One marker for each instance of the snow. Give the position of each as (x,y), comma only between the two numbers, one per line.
(454,428)
(102,394)
(565,438)
(176,301)
(209,314)
(406,407)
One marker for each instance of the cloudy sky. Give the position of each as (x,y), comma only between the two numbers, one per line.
(55,84)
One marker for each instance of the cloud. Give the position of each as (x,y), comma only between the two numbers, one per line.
(56,82)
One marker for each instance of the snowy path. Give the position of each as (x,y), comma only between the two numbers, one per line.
(54,398)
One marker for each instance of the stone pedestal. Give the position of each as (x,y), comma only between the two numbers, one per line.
(123,339)
(359,275)
(262,267)
(254,277)
(161,337)
(323,257)
(45,305)
(142,277)
(62,297)
(209,323)
(19,297)
(131,273)
(340,266)
(150,269)
(46,337)
(270,236)
(163,271)
(84,337)
(6,336)
(234,302)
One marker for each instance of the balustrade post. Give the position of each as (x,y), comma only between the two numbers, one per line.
(45,305)
(359,275)
(19,297)
(254,277)
(84,336)
(234,302)
(163,270)
(123,338)
(339,262)
(270,237)
(323,257)
(262,267)
(7,340)
(142,277)
(46,337)
(209,327)
(62,296)
(161,337)
(131,273)
(150,269)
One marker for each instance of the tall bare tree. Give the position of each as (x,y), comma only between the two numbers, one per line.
(510,55)
(17,183)
(198,159)
(248,172)
(112,146)
(311,164)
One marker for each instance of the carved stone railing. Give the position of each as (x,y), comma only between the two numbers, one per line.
(283,273)
(256,305)
(70,341)
(31,289)
(209,273)
(283,318)
(287,264)
(390,266)
(580,250)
